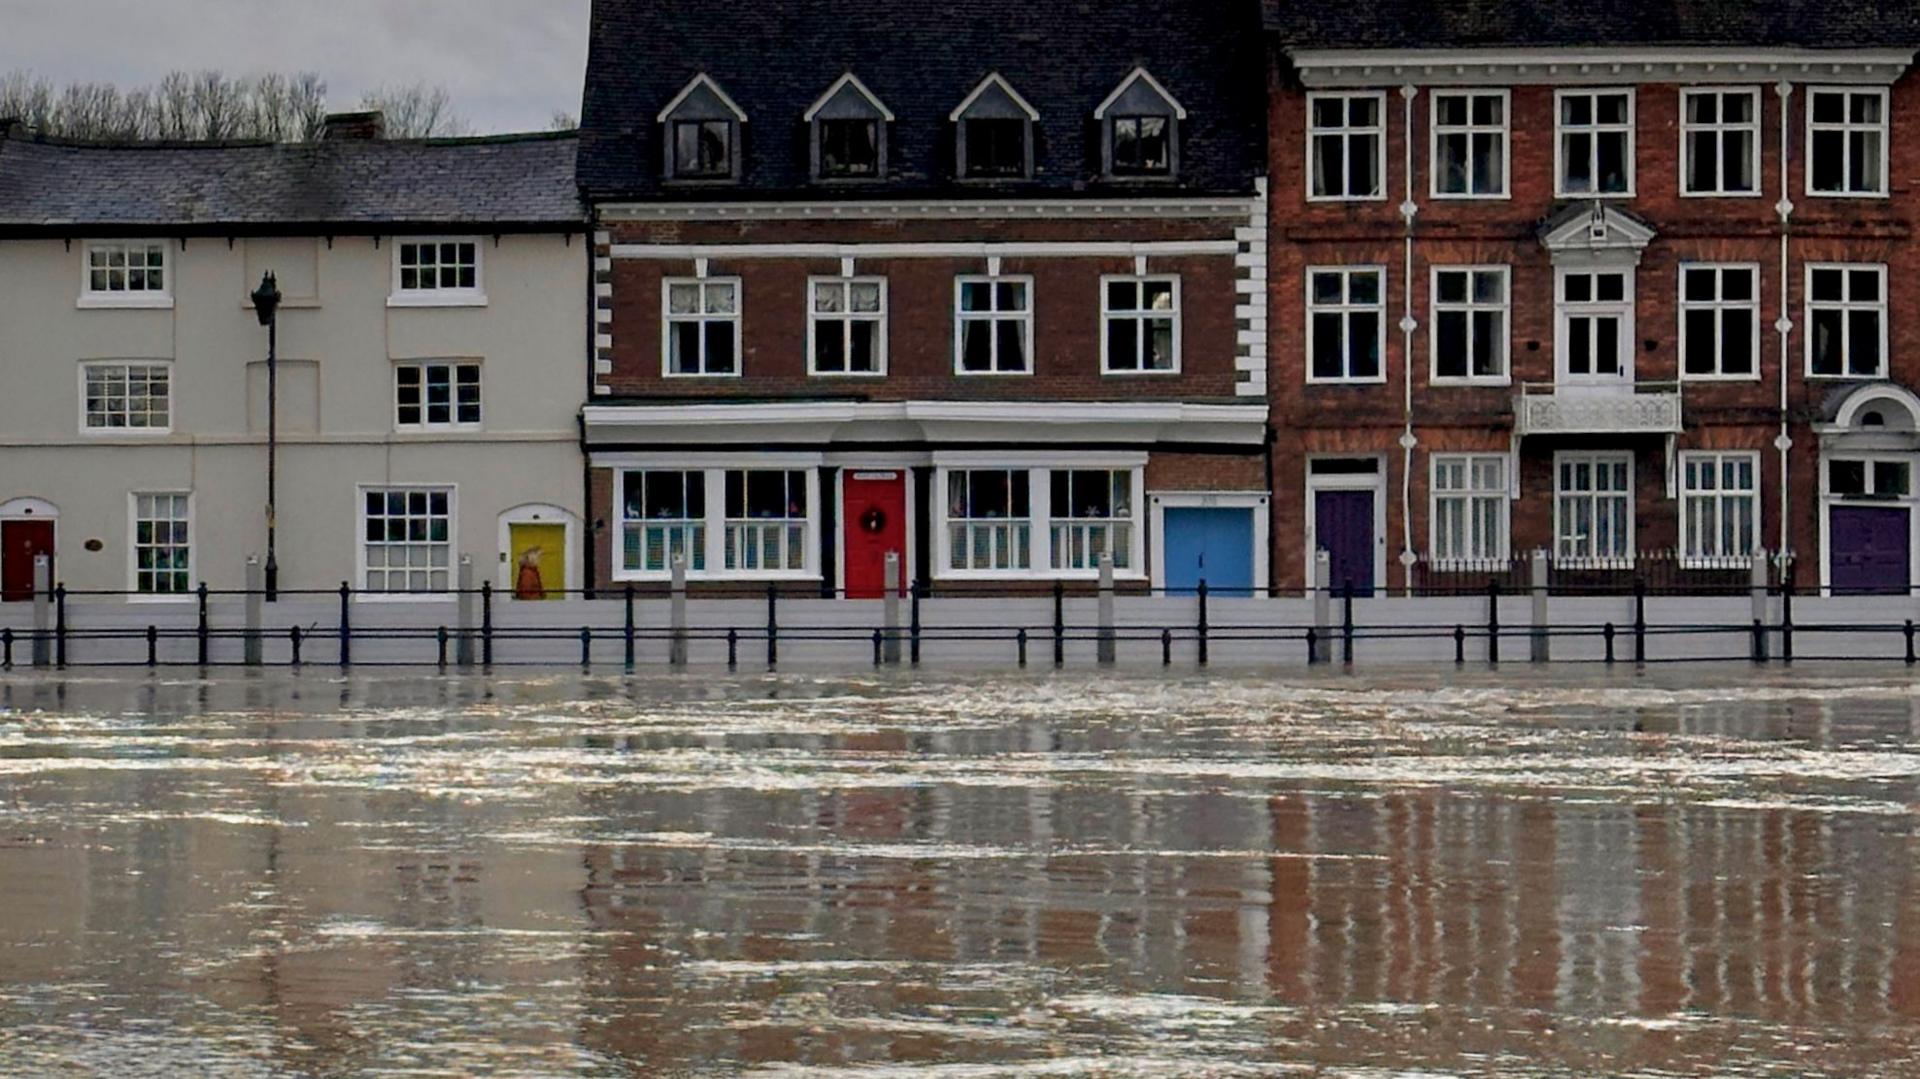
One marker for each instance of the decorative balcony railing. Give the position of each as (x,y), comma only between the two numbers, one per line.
(1644,408)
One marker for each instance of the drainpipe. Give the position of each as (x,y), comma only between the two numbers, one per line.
(1784,324)
(1408,324)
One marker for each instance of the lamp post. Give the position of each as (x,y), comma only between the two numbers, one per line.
(266,304)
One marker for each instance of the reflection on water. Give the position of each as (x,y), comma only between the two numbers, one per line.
(1038,876)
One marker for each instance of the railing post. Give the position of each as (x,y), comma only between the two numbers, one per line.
(733,649)
(1541,626)
(586,647)
(1166,647)
(60,626)
(293,643)
(1909,633)
(1786,619)
(42,610)
(1639,619)
(917,592)
(251,652)
(1105,642)
(440,654)
(202,631)
(1346,624)
(773,625)
(1606,634)
(877,649)
(346,625)
(6,647)
(1493,622)
(677,618)
(1020,638)
(486,624)
(1313,645)
(1059,623)
(627,630)
(890,610)
(1200,627)
(1459,646)
(1757,586)
(1320,641)
(463,613)
(153,646)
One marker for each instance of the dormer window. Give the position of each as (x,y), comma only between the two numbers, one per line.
(1139,121)
(702,133)
(848,126)
(994,129)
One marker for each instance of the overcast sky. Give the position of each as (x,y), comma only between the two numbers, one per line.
(508,64)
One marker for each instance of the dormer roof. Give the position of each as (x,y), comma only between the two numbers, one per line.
(1130,90)
(844,88)
(701,97)
(993,90)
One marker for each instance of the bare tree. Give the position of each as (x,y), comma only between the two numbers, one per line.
(416,111)
(562,121)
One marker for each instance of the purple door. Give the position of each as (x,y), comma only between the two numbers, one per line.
(1870,551)
(1343,526)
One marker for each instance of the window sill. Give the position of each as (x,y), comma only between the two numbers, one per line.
(699,374)
(437,299)
(125,432)
(1458,197)
(1446,382)
(436,428)
(125,303)
(958,373)
(1687,378)
(1720,194)
(1593,194)
(1379,380)
(405,597)
(1880,376)
(1347,198)
(145,598)
(1847,195)
(1125,372)
(846,374)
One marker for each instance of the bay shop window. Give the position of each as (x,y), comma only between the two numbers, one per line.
(1018,521)
(724,522)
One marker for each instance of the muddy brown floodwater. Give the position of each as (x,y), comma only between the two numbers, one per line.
(1686,872)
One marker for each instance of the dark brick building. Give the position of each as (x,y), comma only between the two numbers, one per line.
(978,284)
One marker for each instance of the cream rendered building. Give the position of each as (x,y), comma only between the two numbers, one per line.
(432,343)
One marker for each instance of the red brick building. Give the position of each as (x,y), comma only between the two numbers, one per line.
(973,284)
(1599,283)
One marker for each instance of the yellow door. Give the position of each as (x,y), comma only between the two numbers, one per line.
(539,560)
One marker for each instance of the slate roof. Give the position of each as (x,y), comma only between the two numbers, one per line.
(508,183)
(921,58)
(1418,24)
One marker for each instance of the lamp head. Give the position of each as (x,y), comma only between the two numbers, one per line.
(266,299)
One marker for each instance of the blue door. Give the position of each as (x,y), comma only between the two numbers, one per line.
(1208,544)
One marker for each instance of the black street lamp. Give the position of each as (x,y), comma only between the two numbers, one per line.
(266,304)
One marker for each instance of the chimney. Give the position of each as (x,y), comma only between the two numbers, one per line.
(363,126)
(12,128)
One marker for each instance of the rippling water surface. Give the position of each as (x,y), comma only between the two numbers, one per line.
(1685,873)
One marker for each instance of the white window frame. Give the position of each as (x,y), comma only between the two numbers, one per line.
(1719,128)
(992,318)
(1590,560)
(1470,307)
(1040,514)
(148,299)
(453,368)
(1345,309)
(1884,127)
(1717,305)
(1720,496)
(695,541)
(1062,526)
(1631,127)
(712,472)
(1471,496)
(1565,310)
(126,432)
(1378,133)
(668,320)
(134,594)
(439,297)
(1141,317)
(360,541)
(845,319)
(735,529)
(1844,306)
(1470,129)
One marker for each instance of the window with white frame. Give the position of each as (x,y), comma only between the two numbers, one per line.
(702,326)
(663,516)
(407,537)
(1846,321)
(436,395)
(126,273)
(1595,142)
(1593,509)
(1346,145)
(1469,509)
(1719,506)
(1346,324)
(993,325)
(1720,142)
(1140,320)
(436,271)
(1869,477)
(847,331)
(1719,321)
(1092,514)
(1595,323)
(1847,141)
(126,397)
(989,519)
(1470,144)
(1470,317)
(768,528)
(1139,145)
(702,149)
(162,544)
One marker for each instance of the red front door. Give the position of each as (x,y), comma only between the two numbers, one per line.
(20,542)
(874,515)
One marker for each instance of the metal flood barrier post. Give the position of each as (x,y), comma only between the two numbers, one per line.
(1540,641)
(677,618)
(42,610)
(1106,638)
(1757,585)
(463,643)
(890,610)
(255,582)
(1321,638)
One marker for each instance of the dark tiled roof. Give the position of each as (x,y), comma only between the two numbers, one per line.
(1416,24)
(524,181)
(921,57)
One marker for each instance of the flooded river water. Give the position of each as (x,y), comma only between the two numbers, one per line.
(1688,872)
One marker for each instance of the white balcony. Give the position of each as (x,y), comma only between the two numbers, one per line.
(1645,408)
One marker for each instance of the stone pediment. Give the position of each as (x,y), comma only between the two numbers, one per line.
(1595,228)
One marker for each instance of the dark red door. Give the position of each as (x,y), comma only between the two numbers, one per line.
(874,515)
(1343,525)
(20,542)
(1870,552)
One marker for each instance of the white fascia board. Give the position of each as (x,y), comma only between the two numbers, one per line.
(946,210)
(1030,249)
(816,421)
(1575,66)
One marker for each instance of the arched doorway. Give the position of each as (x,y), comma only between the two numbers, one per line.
(27,530)
(537,542)
(1868,511)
